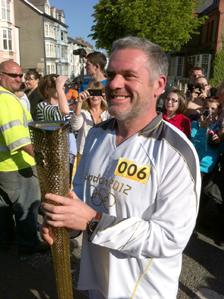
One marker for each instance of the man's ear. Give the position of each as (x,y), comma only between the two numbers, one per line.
(160,85)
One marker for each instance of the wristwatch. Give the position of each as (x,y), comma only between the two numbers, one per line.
(91,226)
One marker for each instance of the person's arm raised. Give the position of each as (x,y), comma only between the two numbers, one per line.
(62,100)
(83,96)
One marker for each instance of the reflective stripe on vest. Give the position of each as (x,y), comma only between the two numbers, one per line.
(11,124)
(18,143)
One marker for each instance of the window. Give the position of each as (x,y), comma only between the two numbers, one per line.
(51,69)
(206,63)
(50,30)
(203,61)
(172,66)
(180,66)
(64,52)
(46,29)
(7,39)
(5,10)
(64,36)
(50,50)
(191,61)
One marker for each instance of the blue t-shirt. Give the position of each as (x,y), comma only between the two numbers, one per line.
(208,153)
(86,82)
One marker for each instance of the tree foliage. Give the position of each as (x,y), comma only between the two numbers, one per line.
(218,72)
(169,23)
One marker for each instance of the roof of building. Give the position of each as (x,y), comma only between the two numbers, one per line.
(33,6)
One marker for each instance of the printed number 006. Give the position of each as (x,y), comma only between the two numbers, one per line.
(132,169)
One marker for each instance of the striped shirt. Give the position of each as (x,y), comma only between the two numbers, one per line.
(50,112)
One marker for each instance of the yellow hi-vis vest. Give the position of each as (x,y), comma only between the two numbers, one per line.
(14,133)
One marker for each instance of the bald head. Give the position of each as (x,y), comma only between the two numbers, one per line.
(8,64)
(10,75)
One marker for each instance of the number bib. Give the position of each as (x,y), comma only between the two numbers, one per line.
(130,170)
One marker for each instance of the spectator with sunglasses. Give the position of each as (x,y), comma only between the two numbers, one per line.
(19,187)
(174,109)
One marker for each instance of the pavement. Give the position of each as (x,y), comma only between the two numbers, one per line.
(202,275)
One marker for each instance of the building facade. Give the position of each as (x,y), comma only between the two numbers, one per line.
(9,40)
(201,49)
(29,21)
(35,35)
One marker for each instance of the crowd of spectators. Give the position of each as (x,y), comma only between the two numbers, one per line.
(199,113)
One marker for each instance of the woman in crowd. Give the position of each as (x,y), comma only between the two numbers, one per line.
(90,111)
(55,106)
(32,78)
(174,109)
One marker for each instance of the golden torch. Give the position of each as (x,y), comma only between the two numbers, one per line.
(50,141)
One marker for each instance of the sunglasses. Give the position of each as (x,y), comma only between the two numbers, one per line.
(13,75)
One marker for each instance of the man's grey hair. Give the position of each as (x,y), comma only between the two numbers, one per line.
(157,59)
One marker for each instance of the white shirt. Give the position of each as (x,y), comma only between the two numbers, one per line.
(83,123)
(148,189)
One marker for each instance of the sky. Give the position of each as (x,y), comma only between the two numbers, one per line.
(77,16)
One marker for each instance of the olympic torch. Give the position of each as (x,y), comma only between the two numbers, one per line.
(50,141)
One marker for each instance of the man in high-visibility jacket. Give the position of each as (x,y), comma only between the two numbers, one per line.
(19,186)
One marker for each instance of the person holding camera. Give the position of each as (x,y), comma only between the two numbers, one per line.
(91,109)
(205,135)
(199,91)
(206,138)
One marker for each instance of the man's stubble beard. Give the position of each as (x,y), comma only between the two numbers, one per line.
(135,111)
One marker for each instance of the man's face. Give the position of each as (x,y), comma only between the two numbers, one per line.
(90,68)
(130,90)
(196,73)
(11,76)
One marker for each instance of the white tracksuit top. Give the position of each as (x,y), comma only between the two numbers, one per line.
(148,189)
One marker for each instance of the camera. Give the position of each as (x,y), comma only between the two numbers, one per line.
(206,113)
(95,92)
(198,88)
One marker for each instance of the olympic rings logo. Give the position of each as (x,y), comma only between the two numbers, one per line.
(101,197)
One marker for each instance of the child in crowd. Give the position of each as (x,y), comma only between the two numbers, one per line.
(174,109)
